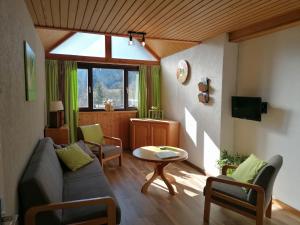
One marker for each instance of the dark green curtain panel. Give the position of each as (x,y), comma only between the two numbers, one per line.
(71,98)
(142,94)
(52,89)
(155,75)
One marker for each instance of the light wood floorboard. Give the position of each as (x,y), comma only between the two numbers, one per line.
(157,207)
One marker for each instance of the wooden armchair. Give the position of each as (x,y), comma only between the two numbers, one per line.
(105,152)
(254,203)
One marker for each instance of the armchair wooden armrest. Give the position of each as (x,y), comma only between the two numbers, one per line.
(226,167)
(111,210)
(235,183)
(115,139)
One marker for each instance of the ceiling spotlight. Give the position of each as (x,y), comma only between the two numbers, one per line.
(143,40)
(130,42)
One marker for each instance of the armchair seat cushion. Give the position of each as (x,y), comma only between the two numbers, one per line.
(107,150)
(230,190)
(110,150)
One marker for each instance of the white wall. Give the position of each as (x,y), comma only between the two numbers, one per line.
(269,67)
(200,124)
(21,122)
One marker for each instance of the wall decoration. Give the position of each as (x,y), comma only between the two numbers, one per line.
(182,71)
(203,86)
(30,72)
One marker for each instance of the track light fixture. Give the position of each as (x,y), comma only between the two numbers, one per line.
(131,33)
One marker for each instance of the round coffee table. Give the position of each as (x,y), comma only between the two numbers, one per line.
(148,153)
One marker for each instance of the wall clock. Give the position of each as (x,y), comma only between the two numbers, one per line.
(182,71)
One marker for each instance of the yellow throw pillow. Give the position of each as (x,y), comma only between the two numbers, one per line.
(73,157)
(248,170)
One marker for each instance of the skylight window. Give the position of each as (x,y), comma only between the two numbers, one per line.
(82,44)
(121,49)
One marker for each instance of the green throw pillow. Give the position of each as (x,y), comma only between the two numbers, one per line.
(93,133)
(248,170)
(73,156)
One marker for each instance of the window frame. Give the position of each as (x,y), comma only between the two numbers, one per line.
(89,67)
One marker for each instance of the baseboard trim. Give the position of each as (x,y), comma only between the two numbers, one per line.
(286,207)
(195,167)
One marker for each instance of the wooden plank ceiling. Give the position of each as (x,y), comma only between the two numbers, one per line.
(189,21)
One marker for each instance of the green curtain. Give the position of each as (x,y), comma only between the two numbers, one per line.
(52,87)
(71,98)
(155,75)
(142,94)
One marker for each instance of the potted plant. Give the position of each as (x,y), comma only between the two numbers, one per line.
(227,158)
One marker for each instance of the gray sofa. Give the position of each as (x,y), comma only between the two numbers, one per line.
(81,196)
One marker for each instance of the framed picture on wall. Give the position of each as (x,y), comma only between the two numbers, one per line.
(30,73)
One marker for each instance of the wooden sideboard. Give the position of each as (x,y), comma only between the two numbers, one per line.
(145,132)
(114,123)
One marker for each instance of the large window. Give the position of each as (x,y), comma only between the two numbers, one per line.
(82,44)
(97,83)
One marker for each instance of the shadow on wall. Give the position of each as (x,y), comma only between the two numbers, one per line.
(276,120)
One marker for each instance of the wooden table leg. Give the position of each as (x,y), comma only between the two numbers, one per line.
(159,171)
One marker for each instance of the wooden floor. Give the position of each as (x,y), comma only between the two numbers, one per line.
(157,207)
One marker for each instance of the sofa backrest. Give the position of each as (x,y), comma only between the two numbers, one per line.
(266,178)
(42,182)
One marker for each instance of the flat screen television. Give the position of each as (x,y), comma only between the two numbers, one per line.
(249,108)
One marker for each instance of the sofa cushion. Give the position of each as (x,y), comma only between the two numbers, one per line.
(87,182)
(42,182)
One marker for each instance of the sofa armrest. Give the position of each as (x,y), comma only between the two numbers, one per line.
(226,167)
(115,139)
(109,220)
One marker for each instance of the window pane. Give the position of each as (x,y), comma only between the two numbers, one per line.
(83,94)
(121,49)
(83,44)
(108,84)
(133,88)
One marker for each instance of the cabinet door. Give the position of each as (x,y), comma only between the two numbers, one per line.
(139,134)
(159,134)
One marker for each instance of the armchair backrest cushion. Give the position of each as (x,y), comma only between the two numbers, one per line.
(266,178)
(93,133)
(42,182)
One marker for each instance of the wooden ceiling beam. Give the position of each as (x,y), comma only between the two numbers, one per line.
(150,50)
(113,34)
(266,26)
(100,60)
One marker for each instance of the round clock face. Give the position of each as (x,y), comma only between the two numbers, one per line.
(182,71)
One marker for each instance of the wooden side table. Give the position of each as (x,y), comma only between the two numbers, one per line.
(59,135)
